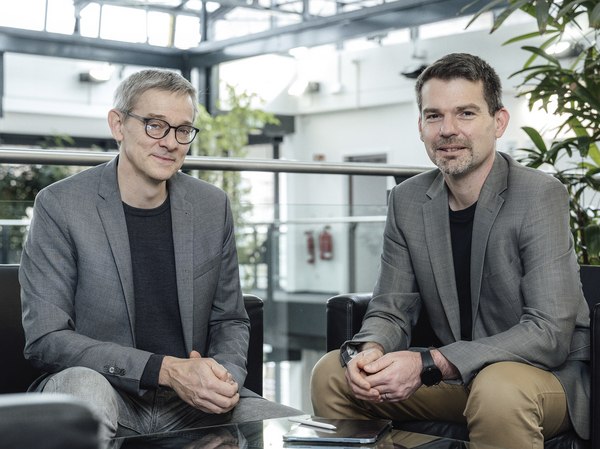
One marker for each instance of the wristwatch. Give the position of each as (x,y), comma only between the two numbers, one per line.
(431,374)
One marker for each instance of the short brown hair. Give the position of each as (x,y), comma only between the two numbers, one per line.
(465,66)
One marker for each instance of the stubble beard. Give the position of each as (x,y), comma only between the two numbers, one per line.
(449,164)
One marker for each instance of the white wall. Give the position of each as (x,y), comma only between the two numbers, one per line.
(43,95)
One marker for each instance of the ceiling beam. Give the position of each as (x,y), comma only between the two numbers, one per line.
(318,31)
(14,40)
(326,30)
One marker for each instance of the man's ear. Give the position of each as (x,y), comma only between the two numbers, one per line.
(115,122)
(501,119)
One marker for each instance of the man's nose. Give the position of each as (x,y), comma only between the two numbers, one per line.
(170,141)
(449,126)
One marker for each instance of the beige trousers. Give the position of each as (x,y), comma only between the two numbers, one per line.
(509,405)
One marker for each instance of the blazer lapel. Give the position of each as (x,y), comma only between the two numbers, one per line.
(488,206)
(183,236)
(439,245)
(110,209)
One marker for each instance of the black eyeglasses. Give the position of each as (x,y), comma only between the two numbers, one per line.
(157,129)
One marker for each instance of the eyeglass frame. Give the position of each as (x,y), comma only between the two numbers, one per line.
(147,119)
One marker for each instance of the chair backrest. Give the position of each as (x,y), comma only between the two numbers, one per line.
(345,313)
(17,374)
(46,421)
(590,283)
(254,379)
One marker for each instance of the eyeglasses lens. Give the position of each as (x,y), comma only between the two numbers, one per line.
(159,129)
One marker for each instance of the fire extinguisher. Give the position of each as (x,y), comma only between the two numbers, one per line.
(310,246)
(325,244)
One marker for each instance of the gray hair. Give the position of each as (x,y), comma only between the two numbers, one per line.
(465,66)
(130,89)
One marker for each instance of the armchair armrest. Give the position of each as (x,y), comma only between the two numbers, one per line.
(344,317)
(254,308)
(346,312)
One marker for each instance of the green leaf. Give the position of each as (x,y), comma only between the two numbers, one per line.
(526,36)
(507,12)
(595,17)
(538,51)
(481,11)
(542,14)
(569,7)
(592,240)
(543,46)
(536,138)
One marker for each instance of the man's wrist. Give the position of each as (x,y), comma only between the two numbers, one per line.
(350,349)
(164,376)
(431,375)
(371,345)
(449,371)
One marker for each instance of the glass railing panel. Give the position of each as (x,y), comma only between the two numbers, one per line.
(294,255)
(14,223)
(295,264)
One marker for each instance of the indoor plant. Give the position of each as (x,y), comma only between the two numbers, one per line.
(569,89)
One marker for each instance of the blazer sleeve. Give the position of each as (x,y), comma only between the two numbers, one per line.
(396,303)
(229,325)
(49,274)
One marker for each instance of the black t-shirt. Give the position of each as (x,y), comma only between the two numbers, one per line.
(158,326)
(461,232)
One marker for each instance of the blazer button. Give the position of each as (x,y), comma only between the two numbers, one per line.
(111,370)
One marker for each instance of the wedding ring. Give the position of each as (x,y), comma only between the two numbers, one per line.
(386,397)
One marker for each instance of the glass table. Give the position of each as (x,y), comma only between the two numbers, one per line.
(268,434)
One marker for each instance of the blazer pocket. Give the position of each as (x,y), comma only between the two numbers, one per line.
(206,266)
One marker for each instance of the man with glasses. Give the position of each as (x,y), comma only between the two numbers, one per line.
(130,285)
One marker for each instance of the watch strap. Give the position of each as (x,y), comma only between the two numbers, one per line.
(427,359)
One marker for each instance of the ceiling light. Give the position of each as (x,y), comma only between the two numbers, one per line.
(558,48)
(565,49)
(298,52)
(98,75)
(302,86)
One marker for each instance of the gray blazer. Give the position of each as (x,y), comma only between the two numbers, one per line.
(528,306)
(76,279)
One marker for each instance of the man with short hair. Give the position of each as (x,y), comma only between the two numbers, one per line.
(483,244)
(130,285)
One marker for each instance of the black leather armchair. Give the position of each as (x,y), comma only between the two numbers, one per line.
(344,318)
(25,423)
(17,374)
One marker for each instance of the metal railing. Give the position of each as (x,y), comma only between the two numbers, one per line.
(90,158)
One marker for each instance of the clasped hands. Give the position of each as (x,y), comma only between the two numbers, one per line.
(375,377)
(201,382)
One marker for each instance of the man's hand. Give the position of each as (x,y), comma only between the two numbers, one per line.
(395,376)
(375,377)
(202,383)
(356,375)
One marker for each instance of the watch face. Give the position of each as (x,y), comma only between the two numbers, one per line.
(431,376)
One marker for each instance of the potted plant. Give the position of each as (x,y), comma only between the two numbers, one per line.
(572,87)
(225,134)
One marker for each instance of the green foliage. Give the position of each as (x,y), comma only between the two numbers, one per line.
(575,88)
(19,184)
(226,135)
